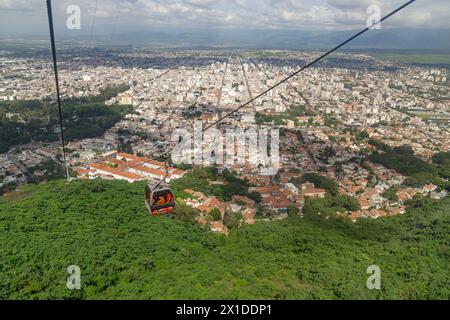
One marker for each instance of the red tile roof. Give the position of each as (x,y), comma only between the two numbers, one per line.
(128,175)
(149,170)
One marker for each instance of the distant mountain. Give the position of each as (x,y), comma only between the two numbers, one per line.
(409,39)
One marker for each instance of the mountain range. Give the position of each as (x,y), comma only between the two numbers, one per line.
(397,39)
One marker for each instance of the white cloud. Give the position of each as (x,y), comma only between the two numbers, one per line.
(292,14)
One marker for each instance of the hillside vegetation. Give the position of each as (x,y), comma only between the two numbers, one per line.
(25,121)
(418,172)
(104,228)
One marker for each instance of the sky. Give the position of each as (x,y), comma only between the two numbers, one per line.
(29,16)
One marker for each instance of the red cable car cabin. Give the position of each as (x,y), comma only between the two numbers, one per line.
(159,200)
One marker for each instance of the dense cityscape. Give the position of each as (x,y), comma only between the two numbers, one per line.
(223,158)
(334,120)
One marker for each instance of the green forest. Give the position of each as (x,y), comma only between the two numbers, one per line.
(199,178)
(105,229)
(280,119)
(26,121)
(418,172)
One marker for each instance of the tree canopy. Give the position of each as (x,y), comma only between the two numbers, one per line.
(105,229)
(23,121)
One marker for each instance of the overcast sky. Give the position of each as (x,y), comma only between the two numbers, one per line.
(29,16)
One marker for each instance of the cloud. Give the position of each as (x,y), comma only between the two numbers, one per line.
(352,4)
(290,14)
(19,5)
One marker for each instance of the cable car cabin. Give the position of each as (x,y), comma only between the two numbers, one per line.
(159,201)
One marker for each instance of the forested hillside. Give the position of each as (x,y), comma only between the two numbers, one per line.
(104,228)
(28,120)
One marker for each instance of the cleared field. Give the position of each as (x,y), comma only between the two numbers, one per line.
(420,59)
